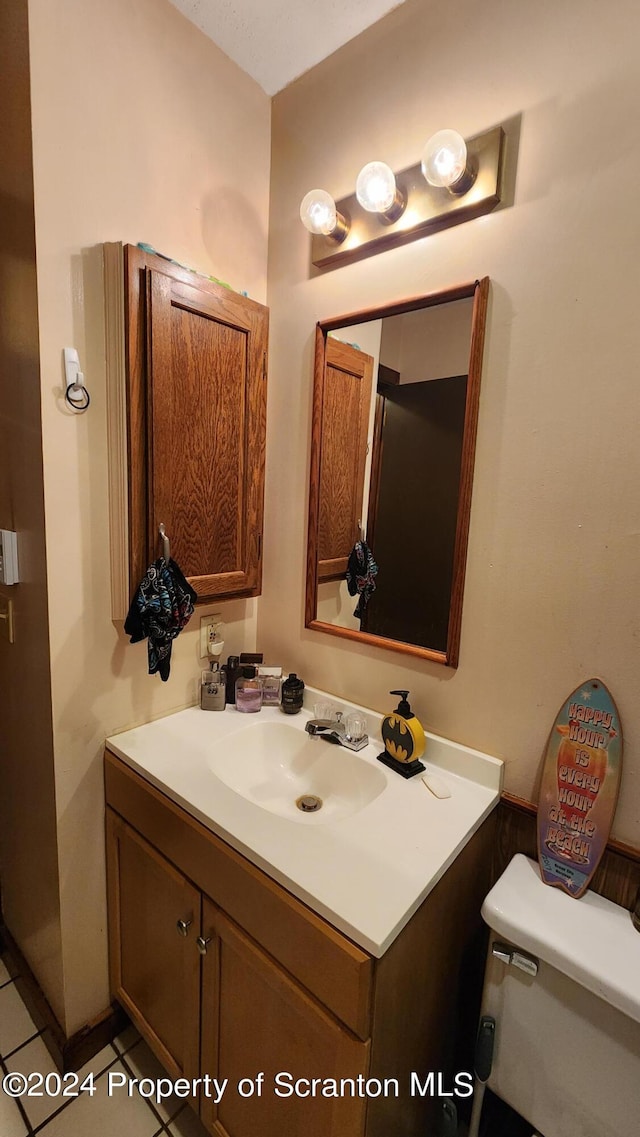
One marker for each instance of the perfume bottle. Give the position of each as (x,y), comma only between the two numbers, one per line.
(292,695)
(248,691)
(271,684)
(212,688)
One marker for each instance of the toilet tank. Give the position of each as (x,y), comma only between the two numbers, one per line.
(567,1038)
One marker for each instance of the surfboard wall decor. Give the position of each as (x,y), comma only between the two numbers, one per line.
(582,765)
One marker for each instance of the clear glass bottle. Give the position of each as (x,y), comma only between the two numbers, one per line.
(271,683)
(248,691)
(271,691)
(212,689)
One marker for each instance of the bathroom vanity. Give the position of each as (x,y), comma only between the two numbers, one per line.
(245,939)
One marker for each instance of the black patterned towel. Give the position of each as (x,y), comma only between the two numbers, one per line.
(361,571)
(163,604)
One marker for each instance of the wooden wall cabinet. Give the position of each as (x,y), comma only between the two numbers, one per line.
(345,418)
(195,367)
(225,973)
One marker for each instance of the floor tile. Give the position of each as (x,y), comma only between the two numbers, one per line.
(4,974)
(129,1037)
(187,1124)
(104,1116)
(16,1024)
(35,1058)
(11,1123)
(30,1059)
(144,1064)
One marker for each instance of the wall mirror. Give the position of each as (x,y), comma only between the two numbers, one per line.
(395,411)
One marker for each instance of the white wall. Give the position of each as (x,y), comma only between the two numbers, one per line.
(432,343)
(143,131)
(553,574)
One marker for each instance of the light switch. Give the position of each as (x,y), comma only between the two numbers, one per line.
(6,618)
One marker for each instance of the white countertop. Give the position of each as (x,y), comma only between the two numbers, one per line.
(366,873)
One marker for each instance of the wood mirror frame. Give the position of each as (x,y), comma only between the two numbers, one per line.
(478,291)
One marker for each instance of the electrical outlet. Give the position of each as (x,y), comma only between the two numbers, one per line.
(207,630)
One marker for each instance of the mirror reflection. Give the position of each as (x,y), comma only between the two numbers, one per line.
(390,494)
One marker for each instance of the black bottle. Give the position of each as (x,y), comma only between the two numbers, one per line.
(292,693)
(233,673)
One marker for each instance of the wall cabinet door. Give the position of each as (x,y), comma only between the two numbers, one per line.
(346,402)
(256,1019)
(155,966)
(197,421)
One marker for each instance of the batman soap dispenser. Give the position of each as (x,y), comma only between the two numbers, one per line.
(404,739)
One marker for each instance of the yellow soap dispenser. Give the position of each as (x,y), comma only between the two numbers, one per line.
(404,739)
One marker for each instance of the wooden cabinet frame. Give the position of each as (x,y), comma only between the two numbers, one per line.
(479,291)
(151,284)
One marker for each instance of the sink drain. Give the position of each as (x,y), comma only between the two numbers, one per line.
(309,803)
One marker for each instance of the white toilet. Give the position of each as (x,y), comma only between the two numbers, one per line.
(563,985)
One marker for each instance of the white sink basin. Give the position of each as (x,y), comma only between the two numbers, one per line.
(367,859)
(274,764)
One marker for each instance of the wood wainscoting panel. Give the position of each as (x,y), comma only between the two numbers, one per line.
(617,876)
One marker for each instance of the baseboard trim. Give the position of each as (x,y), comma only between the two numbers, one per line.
(68,1053)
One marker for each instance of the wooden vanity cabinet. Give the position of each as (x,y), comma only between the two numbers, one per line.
(155,917)
(260,983)
(196,367)
(256,1018)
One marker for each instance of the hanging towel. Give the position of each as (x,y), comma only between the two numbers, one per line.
(161,607)
(361,571)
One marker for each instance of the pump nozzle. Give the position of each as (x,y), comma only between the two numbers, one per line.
(403,707)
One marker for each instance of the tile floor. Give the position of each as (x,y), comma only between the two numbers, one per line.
(23,1051)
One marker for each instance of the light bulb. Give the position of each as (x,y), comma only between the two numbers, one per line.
(376,187)
(444,160)
(318,212)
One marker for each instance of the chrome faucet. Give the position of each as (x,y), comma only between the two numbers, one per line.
(335,731)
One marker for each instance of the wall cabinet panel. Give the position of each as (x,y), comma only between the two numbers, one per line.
(155,967)
(194,407)
(345,420)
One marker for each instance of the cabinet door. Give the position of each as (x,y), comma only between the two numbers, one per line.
(255,1019)
(346,403)
(155,969)
(196,365)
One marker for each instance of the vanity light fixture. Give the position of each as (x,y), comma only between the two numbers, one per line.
(455,181)
(319,215)
(377,191)
(445,162)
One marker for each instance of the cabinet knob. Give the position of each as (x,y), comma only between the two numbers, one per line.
(203,944)
(183,927)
